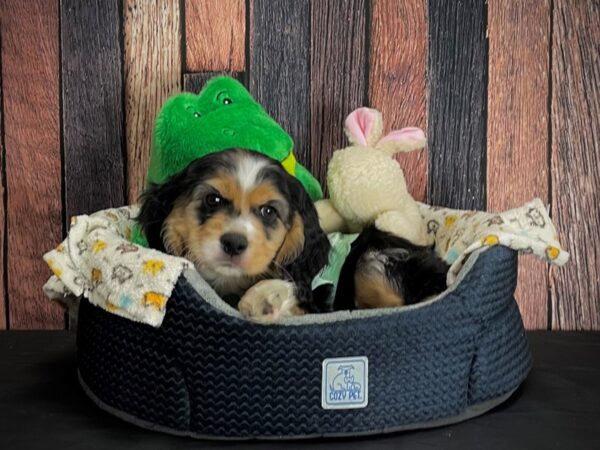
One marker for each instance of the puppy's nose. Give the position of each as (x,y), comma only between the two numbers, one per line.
(234,244)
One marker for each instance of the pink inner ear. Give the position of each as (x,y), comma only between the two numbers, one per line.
(359,124)
(403,135)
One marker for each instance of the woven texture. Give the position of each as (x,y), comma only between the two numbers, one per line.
(211,374)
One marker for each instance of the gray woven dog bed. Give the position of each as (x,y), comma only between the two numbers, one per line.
(206,372)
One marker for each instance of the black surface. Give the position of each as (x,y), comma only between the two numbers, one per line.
(558,406)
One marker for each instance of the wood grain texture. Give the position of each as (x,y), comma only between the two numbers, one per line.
(215,35)
(30,79)
(337,75)
(2,211)
(517,129)
(457,68)
(193,82)
(575,288)
(92,88)
(152,41)
(279,73)
(397,77)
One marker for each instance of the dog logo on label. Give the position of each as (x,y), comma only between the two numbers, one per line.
(345,383)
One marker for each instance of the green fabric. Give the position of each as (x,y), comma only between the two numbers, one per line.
(137,237)
(330,274)
(223,115)
(309,182)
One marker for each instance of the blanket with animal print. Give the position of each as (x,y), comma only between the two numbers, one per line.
(98,260)
(527,229)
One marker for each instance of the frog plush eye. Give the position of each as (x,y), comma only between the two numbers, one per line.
(224,98)
(197,114)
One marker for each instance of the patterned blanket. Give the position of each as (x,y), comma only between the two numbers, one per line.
(527,229)
(98,261)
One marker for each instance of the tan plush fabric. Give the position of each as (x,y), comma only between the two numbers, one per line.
(98,261)
(527,229)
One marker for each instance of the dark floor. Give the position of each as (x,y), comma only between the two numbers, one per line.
(558,406)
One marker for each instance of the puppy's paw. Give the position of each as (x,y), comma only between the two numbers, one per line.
(270,300)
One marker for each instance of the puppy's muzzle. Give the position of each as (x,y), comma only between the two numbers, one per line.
(234,244)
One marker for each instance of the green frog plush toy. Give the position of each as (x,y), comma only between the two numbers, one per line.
(223,115)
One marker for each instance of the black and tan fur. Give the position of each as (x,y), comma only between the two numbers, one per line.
(253,234)
(384,270)
(243,203)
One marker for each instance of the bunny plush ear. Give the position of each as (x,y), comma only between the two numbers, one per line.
(364,126)
(403,140)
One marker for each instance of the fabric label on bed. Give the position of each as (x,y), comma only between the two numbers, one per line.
(345,383)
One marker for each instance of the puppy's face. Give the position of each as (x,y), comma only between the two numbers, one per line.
(234,217)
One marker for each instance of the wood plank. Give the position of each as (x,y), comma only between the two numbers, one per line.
(3,298)
(215,35)
(457,68)
(517,129)
(194,82)
(575,288)
(30,79)
(337,75)
(152,45)
(279,73)
(397,77)
(92,88)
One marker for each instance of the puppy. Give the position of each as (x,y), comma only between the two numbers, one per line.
(383,270)
(248,226)
(253,233)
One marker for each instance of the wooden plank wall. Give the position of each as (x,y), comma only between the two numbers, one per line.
(517,128)
(31,111)
(152,39)
(3,315)
(92,103)
(338,39)
(457,71)
(397,77)
(575,161)
(279,65)
(507,90)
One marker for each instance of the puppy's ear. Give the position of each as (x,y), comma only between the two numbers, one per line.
(156,204)
(294,242)
(308,246)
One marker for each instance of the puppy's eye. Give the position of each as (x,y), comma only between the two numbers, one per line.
(268,213)
(213,200)
(227,101)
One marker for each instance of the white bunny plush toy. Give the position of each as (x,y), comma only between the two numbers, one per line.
(366,185)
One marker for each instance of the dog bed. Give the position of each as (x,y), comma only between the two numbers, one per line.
(196,367)
(206,372)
